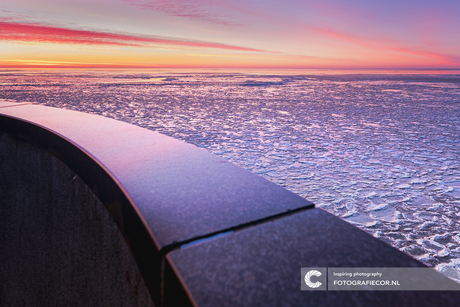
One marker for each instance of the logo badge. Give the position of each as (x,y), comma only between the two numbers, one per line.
(313,279)
(308,281)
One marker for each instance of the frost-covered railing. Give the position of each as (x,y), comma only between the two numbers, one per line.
(101,212)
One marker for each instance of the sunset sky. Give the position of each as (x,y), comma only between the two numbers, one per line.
(236,33)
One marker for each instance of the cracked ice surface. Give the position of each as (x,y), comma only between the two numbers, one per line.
(380,151)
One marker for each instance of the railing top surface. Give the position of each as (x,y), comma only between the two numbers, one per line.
(180,191)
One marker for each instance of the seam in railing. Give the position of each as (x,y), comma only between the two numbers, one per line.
(217,234)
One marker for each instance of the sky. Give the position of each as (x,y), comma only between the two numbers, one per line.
(230,34)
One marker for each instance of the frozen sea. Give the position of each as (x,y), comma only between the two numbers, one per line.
(379,149)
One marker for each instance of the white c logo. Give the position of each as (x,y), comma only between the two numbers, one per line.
(308,281)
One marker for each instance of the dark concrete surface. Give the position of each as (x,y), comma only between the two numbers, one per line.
(260,266)
(58,244)
(180,191)
(159,191)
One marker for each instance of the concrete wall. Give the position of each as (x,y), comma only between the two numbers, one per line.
(58,244)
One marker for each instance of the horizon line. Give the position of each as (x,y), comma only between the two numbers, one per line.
(121,66)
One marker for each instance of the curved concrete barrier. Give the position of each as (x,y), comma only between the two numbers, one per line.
(191,228)
(161,193)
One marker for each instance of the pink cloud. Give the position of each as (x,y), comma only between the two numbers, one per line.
(201,11)
(385,44)
(11,31)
